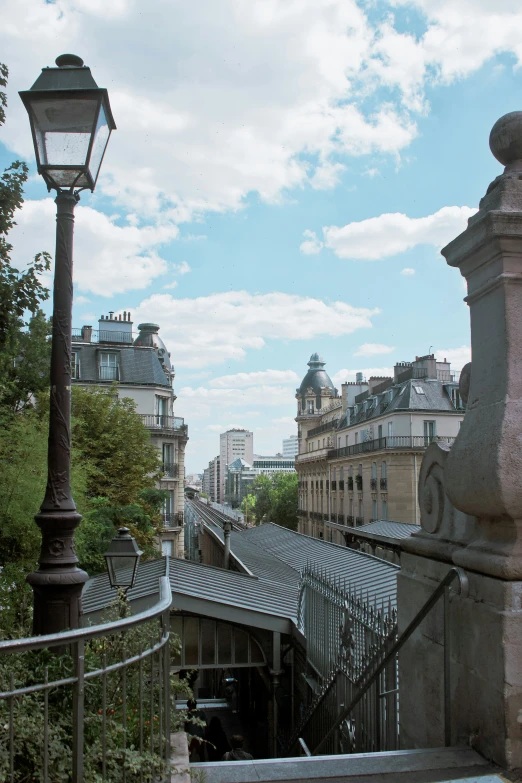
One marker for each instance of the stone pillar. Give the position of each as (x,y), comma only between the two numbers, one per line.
(471,500)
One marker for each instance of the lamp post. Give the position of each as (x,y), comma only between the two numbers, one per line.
(123,557)
(71,122)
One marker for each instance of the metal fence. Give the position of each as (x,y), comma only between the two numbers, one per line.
(160,422)
(389,442)
(89,704)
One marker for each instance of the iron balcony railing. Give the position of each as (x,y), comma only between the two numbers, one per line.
(389,442)
(173,519)
(330,425)
(359,521)
(373,484)
(103,336)
(384,483)
(107,699)
(170,469)
(160,422)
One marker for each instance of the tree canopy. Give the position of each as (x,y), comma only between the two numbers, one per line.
(276,499)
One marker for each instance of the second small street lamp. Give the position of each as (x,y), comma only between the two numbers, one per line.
(123,557)
(71,122)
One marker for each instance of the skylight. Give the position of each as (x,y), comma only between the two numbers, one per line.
(419,390)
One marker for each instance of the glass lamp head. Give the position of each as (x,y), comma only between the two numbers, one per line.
(71,122)
(122,559)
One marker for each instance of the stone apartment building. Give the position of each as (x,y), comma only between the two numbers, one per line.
(360,452)
(140,366)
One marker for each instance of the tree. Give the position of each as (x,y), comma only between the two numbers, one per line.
(248,507)
(261,487)
(24,367)
(284,500)
(20,292)
(109,434)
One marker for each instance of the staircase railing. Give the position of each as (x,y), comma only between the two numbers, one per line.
(370,721)
(345,723)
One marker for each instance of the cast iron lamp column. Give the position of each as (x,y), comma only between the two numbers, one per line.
(71,122)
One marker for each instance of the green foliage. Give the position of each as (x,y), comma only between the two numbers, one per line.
(113,439)
(23,472)
(248,507)
(24,365)
(19,291)
(276,499)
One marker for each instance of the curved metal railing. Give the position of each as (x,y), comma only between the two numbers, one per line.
(150,690)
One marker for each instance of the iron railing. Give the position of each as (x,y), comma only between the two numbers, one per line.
(108,373)
(389,442)
(103,336)
(330,425)
(359,521)
(170,469)
(384,483)
(174,519)
(368,719)
(109,702)
(373,484)
(160,422)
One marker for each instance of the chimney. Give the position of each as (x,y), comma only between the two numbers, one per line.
(87,334)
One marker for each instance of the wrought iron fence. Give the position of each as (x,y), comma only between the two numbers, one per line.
(170,469)
(89,704)
(160,422)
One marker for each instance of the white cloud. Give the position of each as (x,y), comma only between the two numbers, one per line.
(79,300)
(272,81)
(458,357)
(407,271)
(286,420)
(392,233)
(181,269)
(212,329)
(108,258)
(349,375)
(169,286)
(223,427)
(263,377)
(312,244)
(256,395)
(373,349)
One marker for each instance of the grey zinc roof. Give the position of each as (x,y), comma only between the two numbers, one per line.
(386,529)
(98,593)
(366,573)
(137,365)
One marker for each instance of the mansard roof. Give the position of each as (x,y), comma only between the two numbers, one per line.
(137,366)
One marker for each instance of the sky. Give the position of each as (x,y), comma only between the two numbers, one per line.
(282,178)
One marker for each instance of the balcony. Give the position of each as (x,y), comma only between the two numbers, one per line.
(330,425)
(359,521)
(341,486)
(173,520)
(349,519)
(165,423)
(384,484)
(359,482)
(334,486)
(170,469)
(373,484)
(350,483)
(392,442)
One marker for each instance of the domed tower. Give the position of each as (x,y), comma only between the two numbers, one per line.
(314,394)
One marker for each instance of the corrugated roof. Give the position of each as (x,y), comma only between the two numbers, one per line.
(365,573)
(98,593)
(388,529)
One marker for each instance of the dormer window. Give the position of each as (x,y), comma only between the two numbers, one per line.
(310,407)
(75,365)
(109,367)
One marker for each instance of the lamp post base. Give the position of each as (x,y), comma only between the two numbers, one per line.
(58,583)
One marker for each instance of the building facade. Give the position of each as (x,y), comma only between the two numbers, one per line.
(214,480)
(290,447)
(360,452)
(233,444)
(139,367)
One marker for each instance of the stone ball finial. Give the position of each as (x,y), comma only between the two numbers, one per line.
(505,139)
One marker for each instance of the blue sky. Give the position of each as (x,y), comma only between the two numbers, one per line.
(282,179)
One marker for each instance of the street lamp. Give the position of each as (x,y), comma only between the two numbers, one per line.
(123,557)
(71,122)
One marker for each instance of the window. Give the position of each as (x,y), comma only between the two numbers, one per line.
(456,399)
(419,390)
(390,429)
(109,367)
(310,407)
(374,510)
(374,470)
(162,410)
(430,430)
(166,548)
(75,365)
(383,470)
(384,506)
(379,432)
(357,437)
